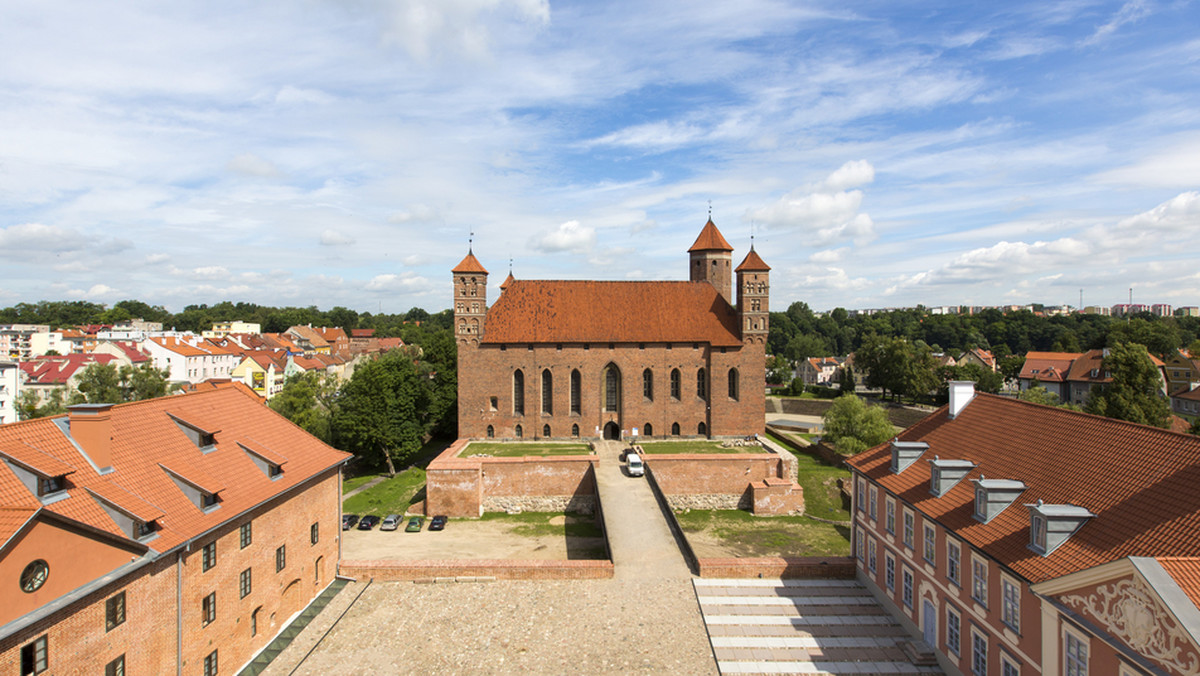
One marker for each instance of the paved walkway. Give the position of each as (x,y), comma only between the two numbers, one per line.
(643,547)
(801,627)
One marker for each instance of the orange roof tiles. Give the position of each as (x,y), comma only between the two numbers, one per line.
(1139,481)
(1186,573)
(124,500)
(35,460)
(470,264)
(12,520)
(601,312)
(710,239)
(753,263)
(145,439)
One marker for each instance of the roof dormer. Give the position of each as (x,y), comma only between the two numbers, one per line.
(205,440)
(905,453)
(945,474)
(1051,525)
(266,460)
(993,495)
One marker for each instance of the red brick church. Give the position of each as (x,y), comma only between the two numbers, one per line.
(562,359)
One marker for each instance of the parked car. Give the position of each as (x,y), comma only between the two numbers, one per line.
(635,466)
(348,521)
(414,525)
(390,522)
(438,522)
(368,522)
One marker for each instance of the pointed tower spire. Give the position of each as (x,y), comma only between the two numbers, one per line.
(710,260)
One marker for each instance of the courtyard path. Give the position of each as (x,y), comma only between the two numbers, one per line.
(643,547)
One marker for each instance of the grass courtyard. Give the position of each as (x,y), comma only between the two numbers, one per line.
(520,449)
(725,533)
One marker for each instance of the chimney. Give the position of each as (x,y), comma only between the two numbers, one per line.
(91,428)
(961,394)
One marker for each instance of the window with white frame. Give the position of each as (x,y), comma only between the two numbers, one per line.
(953,631)
(953,562)
(1037,532)
(860,496)
(871,554)
(907,589)
(909,529)
(979,574)
(874,510)
(1075,653)
(1008,667)
(889,572)
(859,544)
(979,649)
(929,551)
(890,520)
(1010,611)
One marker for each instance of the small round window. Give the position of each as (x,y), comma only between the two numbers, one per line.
(34,576)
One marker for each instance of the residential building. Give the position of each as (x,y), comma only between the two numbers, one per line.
(1161,309)
(1183,372)
(1097,310)
(1088,372)
(10,387)
(980,357)
(569,359)
(16,340)
(1049,370)
(1187,402)
(1187,311)
(43,375)
(819,370)
(134,330)
(262,371)
(163,536)
(1015,538)
(310,340)
(222,329)
(339,342)
(1073,375)
(189,360)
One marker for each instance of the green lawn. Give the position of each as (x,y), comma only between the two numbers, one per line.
(354,482)
(391,496)
(744,534)
(670,447)
(822,497)
(520,449)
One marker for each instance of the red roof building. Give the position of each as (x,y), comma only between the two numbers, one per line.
(200,521)
(1010,535)
(570,359)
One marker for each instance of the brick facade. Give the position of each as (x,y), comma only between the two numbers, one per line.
(457,486)
(524,387)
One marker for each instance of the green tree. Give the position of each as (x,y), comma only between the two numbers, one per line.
(854,426)
(306,399)
(27,405)
(143,382)
(779,370)
(383,410)
(1039,395)
(101,384)
(1135,391)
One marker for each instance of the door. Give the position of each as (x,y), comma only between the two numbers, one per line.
(930,629)
(612,431)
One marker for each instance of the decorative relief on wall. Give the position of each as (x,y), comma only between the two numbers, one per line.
(1131,612)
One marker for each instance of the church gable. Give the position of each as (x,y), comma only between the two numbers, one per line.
(600,312)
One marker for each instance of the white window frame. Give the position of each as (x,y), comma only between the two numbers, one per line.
(1009,666)
(910,529)
(873,512)
(860,543)
(975,635)
(890,522)
(1069,633)
(954,562)
(1010,608)
(1037,533)
(889,572)
(979,592)
(954,648)
(929,551)
(860,495)
(871,553)
(908,587)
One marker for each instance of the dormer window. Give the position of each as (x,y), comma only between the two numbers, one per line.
(142,529)
(1095,372)
(993,495)
(266,460)
(945,474)
(1052,525)
(905,453)
(204,439)
(49,485)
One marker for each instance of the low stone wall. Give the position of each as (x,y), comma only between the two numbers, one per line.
(816,407)
(784,567)
(712,473)
(583,504)
(819,451)
(464,570)
(710,501)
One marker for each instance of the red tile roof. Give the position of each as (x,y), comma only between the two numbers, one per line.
(603,312)
(145,440)
(12,520)
(58,369)
(753,263)
(1048,366)
(1138,480)
(470,264)
(1186,573)
(710,239)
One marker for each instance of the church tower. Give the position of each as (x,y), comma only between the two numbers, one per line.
(470,300)
(711,259)
(754,289)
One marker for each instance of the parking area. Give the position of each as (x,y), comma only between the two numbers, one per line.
(469,539)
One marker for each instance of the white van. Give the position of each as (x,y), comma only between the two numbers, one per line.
(634,462)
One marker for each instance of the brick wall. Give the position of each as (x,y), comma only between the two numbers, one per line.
(457,486)
(703,473)
(79,643)
(840,567)
(486,371)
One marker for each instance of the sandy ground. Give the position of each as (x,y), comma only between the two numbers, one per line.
(464,539)
(508,627)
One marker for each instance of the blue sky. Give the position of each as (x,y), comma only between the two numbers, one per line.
(341,153)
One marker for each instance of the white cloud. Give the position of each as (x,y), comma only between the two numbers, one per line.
(407,282)
(440,28)
(250,164)
(419,213)
(19,241)
(825,211)
(829,255)
(1130,12)
(335,238)
(850,175)
(210,272)
(569,236)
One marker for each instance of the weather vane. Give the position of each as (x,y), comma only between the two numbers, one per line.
(710,210)
(470,240)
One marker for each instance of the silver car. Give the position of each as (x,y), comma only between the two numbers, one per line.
(390,522)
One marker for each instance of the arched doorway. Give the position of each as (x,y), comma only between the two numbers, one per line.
(612,430)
